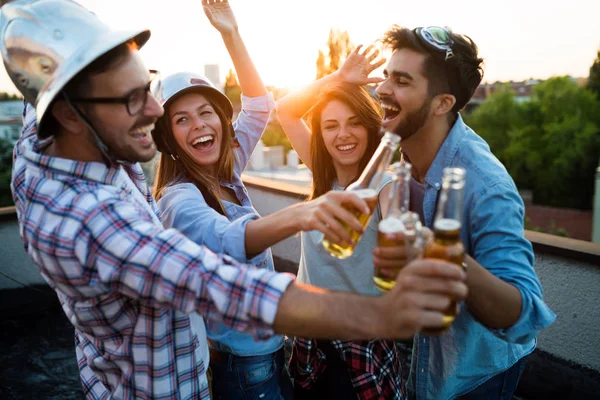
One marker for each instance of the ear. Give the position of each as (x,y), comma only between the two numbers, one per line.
(68,118)
(443,103)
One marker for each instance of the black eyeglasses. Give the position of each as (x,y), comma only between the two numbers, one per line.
(135,101)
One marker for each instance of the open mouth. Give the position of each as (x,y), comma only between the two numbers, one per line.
(204,143)
(346,148)
(144,134)
(389,112)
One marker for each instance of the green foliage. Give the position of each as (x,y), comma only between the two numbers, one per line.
(274,135)
(550,144)
(6,148)
(594,78)
(232,88)
(7,96)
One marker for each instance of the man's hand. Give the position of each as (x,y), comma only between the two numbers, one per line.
(417,301)
(423,291)
(220,15)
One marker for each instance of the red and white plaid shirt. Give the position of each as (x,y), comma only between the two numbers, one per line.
(127,284)
(373,365)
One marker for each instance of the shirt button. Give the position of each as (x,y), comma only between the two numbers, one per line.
(437,185)
(423,370)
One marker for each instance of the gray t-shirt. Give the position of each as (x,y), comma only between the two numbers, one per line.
(417,193)
(352,274)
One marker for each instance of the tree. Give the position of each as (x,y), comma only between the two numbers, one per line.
(495,118)
(4,96)
(232,88)
(550,145)
(594,78)
(274,135)
(339,47)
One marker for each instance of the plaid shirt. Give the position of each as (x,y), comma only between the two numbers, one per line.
(373,365)
(125,283)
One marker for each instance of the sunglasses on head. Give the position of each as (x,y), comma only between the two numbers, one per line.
(437,39)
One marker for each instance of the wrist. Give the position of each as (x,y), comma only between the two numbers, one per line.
(230,34)
(294,217)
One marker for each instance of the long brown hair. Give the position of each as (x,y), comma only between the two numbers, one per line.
(183,167)
(369,113)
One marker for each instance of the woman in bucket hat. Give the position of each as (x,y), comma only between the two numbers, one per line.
(200,192)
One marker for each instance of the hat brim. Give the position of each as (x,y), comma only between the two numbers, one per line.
(222,100)
(79,61)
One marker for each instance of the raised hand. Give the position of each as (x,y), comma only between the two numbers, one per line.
(220,15)
(359,65)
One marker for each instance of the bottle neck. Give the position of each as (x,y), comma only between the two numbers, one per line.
(449,209)
(373,173)
(400,191)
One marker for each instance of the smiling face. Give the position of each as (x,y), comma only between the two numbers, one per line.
(344,135)
(404,95)
(197,128)
(128,137)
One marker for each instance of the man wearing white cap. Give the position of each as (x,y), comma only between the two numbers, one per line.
(90,224)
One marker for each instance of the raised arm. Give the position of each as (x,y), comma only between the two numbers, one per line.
(292,107)
(257,103)
(221,16)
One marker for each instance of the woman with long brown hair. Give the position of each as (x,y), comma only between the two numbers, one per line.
(200,192)
(341,137)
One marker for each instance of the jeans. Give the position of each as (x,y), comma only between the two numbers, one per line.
(250,378)
(498,387)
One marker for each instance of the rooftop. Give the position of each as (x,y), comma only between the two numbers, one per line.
(37,346)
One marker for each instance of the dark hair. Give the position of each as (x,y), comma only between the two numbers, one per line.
(459,76)
(79,84)
(368,111)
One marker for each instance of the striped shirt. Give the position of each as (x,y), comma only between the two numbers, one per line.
(127,284)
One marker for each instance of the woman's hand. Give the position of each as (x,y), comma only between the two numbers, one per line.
(329,212)
(220,15)
(358,66)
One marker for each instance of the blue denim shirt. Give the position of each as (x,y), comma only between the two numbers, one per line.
(184,208)
(468,354)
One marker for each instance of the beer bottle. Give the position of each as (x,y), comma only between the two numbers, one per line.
(399,220)
(446,244)
(366,188)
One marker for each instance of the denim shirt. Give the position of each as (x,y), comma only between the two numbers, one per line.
(184,208)
(468,354)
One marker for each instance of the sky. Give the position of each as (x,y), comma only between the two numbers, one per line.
(519,39)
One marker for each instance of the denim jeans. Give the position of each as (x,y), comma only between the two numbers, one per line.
(498,387)
(250,378)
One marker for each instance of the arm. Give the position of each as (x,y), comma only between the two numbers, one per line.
(184,209)
(119,247)
(323,214)
(221,17)
(292,107)
(504,291)
(415,302)
(256,102)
